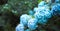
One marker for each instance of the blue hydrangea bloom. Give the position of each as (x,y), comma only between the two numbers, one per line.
(42,14)
(41,18)
(31,12)
(38,15)
(20,27)
(43,11)
(56,9)
(32,24)
(42,3)
(36,9)
(24,19)
(48,13)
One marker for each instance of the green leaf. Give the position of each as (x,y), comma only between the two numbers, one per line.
(39,1)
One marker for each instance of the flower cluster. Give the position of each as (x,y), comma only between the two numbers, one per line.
(56,9)
(41,16)
(42,13)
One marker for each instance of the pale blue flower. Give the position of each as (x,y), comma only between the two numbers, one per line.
(31,12)
(32,24)
(43,14)
(20,27)
(42,3)
(24,19)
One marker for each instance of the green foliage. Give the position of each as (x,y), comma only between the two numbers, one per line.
(10,12)
(39,1)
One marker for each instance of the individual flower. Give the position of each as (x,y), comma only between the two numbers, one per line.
(24,19)
(20,27)
(32,24)
(31,12)
(36,9)
(42,3)
(41,18)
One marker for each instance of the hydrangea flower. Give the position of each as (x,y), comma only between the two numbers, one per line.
(56,9)
(31,12)
(42,14)
(41,18)
(48,13)
(32,24)
(42,3)
(43,11)
(24,19)
(20,27)
(36,9)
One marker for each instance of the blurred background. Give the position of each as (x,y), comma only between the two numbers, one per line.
(11,10)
